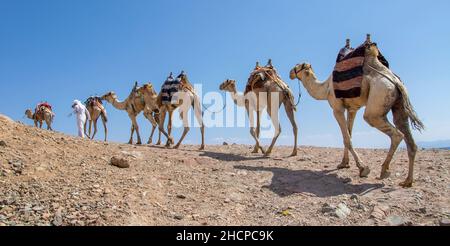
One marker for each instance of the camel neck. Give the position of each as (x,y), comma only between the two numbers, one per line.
(121,105)
(318,90)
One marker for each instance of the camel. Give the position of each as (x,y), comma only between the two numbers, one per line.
(188,98)
(42,114)
(381,92)
(267,91)
(134,104)
(96,110)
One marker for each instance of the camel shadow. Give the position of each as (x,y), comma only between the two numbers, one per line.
(229,156)
(322,184)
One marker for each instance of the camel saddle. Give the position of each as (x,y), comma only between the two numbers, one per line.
(42,106)
(270,73)
(348,72)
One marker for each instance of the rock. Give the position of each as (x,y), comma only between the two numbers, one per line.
(347,180)
(227,200)
(181,196)
(380,212)
(57,220)
(354,197)
(119,162)
(444,222)
(395,220)
(327,208)
(225,143)
(342,211)
(2,143)
(178,217)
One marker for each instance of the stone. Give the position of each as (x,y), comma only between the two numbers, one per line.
(444,222)
(120,163)
(3,143)
(380,212)
(327,208)
(181,196)
(342,211)
(396,220)
(225,143)
(347,180)
(57,220)
(178,217)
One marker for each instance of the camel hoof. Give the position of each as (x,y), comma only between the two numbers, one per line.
(406,184)
(267,153)
(158,143)
(255,151)
(138,143)
(176,146)
(385,175)
(202,147)
(343,165)
(150,141)
(364,172)
(293,154)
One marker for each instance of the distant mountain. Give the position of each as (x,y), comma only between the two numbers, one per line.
(440,144)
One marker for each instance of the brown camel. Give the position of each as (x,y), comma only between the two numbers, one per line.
(188,98)
(134,104)
(42,114)
(381,92)
(265,90)
(96,110)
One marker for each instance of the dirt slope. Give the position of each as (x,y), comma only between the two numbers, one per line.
(53,179)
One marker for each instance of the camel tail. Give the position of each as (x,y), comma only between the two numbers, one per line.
(416,123)
(290,96)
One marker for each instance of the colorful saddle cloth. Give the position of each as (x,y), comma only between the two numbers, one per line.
(168,90)
(348,72)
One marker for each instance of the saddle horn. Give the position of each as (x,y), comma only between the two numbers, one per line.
(347,43)
(368,38)
(257,65)
(269,63)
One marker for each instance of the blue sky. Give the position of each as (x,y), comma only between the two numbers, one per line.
(61,50)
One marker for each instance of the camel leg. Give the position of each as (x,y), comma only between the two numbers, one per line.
(105,127)
(136,128)
(95,128)
(162,119)
(90,129)
(35,123)
(351,114)
(276,124)
(154,125)
(402,123)
(183,116)
(258,130)
(291,115)
(199,116)
(169,130)
(40,124)
(381,123)
(252,128)
(159,138)
(340,118)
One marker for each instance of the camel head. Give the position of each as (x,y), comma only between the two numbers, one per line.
(372,50)
(29,113)
(109,97)
(300,71)
(228,85)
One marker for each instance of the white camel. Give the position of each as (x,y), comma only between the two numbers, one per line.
(381,92)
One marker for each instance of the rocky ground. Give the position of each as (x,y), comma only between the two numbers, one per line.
(49,178)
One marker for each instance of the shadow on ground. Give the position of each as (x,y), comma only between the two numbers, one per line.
(230,157)
(287,182)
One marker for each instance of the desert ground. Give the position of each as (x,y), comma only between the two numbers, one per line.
(49,178)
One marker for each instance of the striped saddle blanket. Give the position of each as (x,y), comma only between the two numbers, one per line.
(348,72)
(169,89)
